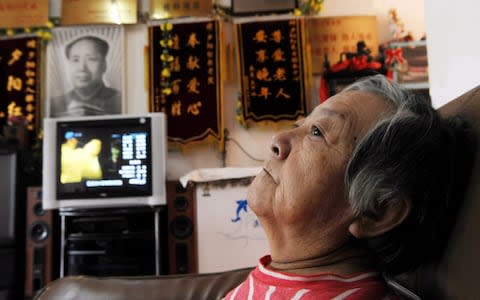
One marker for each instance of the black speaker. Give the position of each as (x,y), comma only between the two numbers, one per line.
(182,237)
(39,243)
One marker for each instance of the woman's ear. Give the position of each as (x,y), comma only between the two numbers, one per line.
(369,227)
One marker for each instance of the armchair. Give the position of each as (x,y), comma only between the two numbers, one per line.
(453,277)
(189,286)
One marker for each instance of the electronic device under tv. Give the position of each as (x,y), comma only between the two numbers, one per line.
(104,161)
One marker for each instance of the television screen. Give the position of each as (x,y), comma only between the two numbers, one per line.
(8,176)
(104,161)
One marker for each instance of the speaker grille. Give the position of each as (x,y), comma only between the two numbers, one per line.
(181,203)
(39,231)
(182,227)
(38,209)
(181,260)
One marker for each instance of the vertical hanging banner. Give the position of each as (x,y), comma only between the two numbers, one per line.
(85,71)
(99,12)
(19,83)
(23,13)
(185,81)
(272,65)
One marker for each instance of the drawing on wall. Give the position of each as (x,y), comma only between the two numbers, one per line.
(85,71)
(246,225)
(225,221)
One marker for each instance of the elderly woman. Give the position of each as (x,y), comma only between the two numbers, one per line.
(358,188)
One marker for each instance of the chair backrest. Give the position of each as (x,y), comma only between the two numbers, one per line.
(453,274)
(460,266)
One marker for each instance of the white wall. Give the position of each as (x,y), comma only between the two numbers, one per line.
(410,11)
(453,48)
(254,140)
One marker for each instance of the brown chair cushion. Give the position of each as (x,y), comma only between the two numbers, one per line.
(461,264)
(191,286)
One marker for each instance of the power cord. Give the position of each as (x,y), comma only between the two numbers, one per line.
(229,139)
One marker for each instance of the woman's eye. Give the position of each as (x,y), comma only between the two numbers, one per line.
(316,131)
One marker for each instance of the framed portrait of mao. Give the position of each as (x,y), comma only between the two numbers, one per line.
(85,71)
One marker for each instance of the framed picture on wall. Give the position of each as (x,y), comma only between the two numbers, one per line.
(85,71)
(412,71)
(252,7)
(335,83)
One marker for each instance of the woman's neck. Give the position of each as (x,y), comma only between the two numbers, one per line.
(345,260)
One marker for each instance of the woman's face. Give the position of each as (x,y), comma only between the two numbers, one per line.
(86,64)
(301,187)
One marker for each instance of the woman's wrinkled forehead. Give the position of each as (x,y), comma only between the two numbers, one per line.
(362,110)
(322,112)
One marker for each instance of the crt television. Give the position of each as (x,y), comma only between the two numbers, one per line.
(104,161)
(8,211)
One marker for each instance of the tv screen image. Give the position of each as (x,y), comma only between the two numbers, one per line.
(104,161)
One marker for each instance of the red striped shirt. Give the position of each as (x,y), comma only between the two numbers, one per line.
(263,283)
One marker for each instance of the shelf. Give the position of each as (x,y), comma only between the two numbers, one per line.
(416,86)
(95,236)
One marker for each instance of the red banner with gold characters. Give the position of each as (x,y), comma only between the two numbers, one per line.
(185,79)
(271,61)
(19,82)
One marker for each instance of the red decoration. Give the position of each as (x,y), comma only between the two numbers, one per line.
(354,64)
(324,93)
(394,55)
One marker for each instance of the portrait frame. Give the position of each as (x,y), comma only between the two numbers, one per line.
(412,73)
(59,74)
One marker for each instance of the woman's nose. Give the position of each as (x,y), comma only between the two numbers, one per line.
(281,145)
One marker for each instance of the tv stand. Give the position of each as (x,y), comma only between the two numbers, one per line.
(120,241)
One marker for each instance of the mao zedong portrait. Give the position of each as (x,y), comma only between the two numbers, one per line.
(86,67)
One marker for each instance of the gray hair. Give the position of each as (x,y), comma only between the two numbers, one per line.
(414,153)
(367,185)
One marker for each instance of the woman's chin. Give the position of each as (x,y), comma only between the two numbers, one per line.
(260,194)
